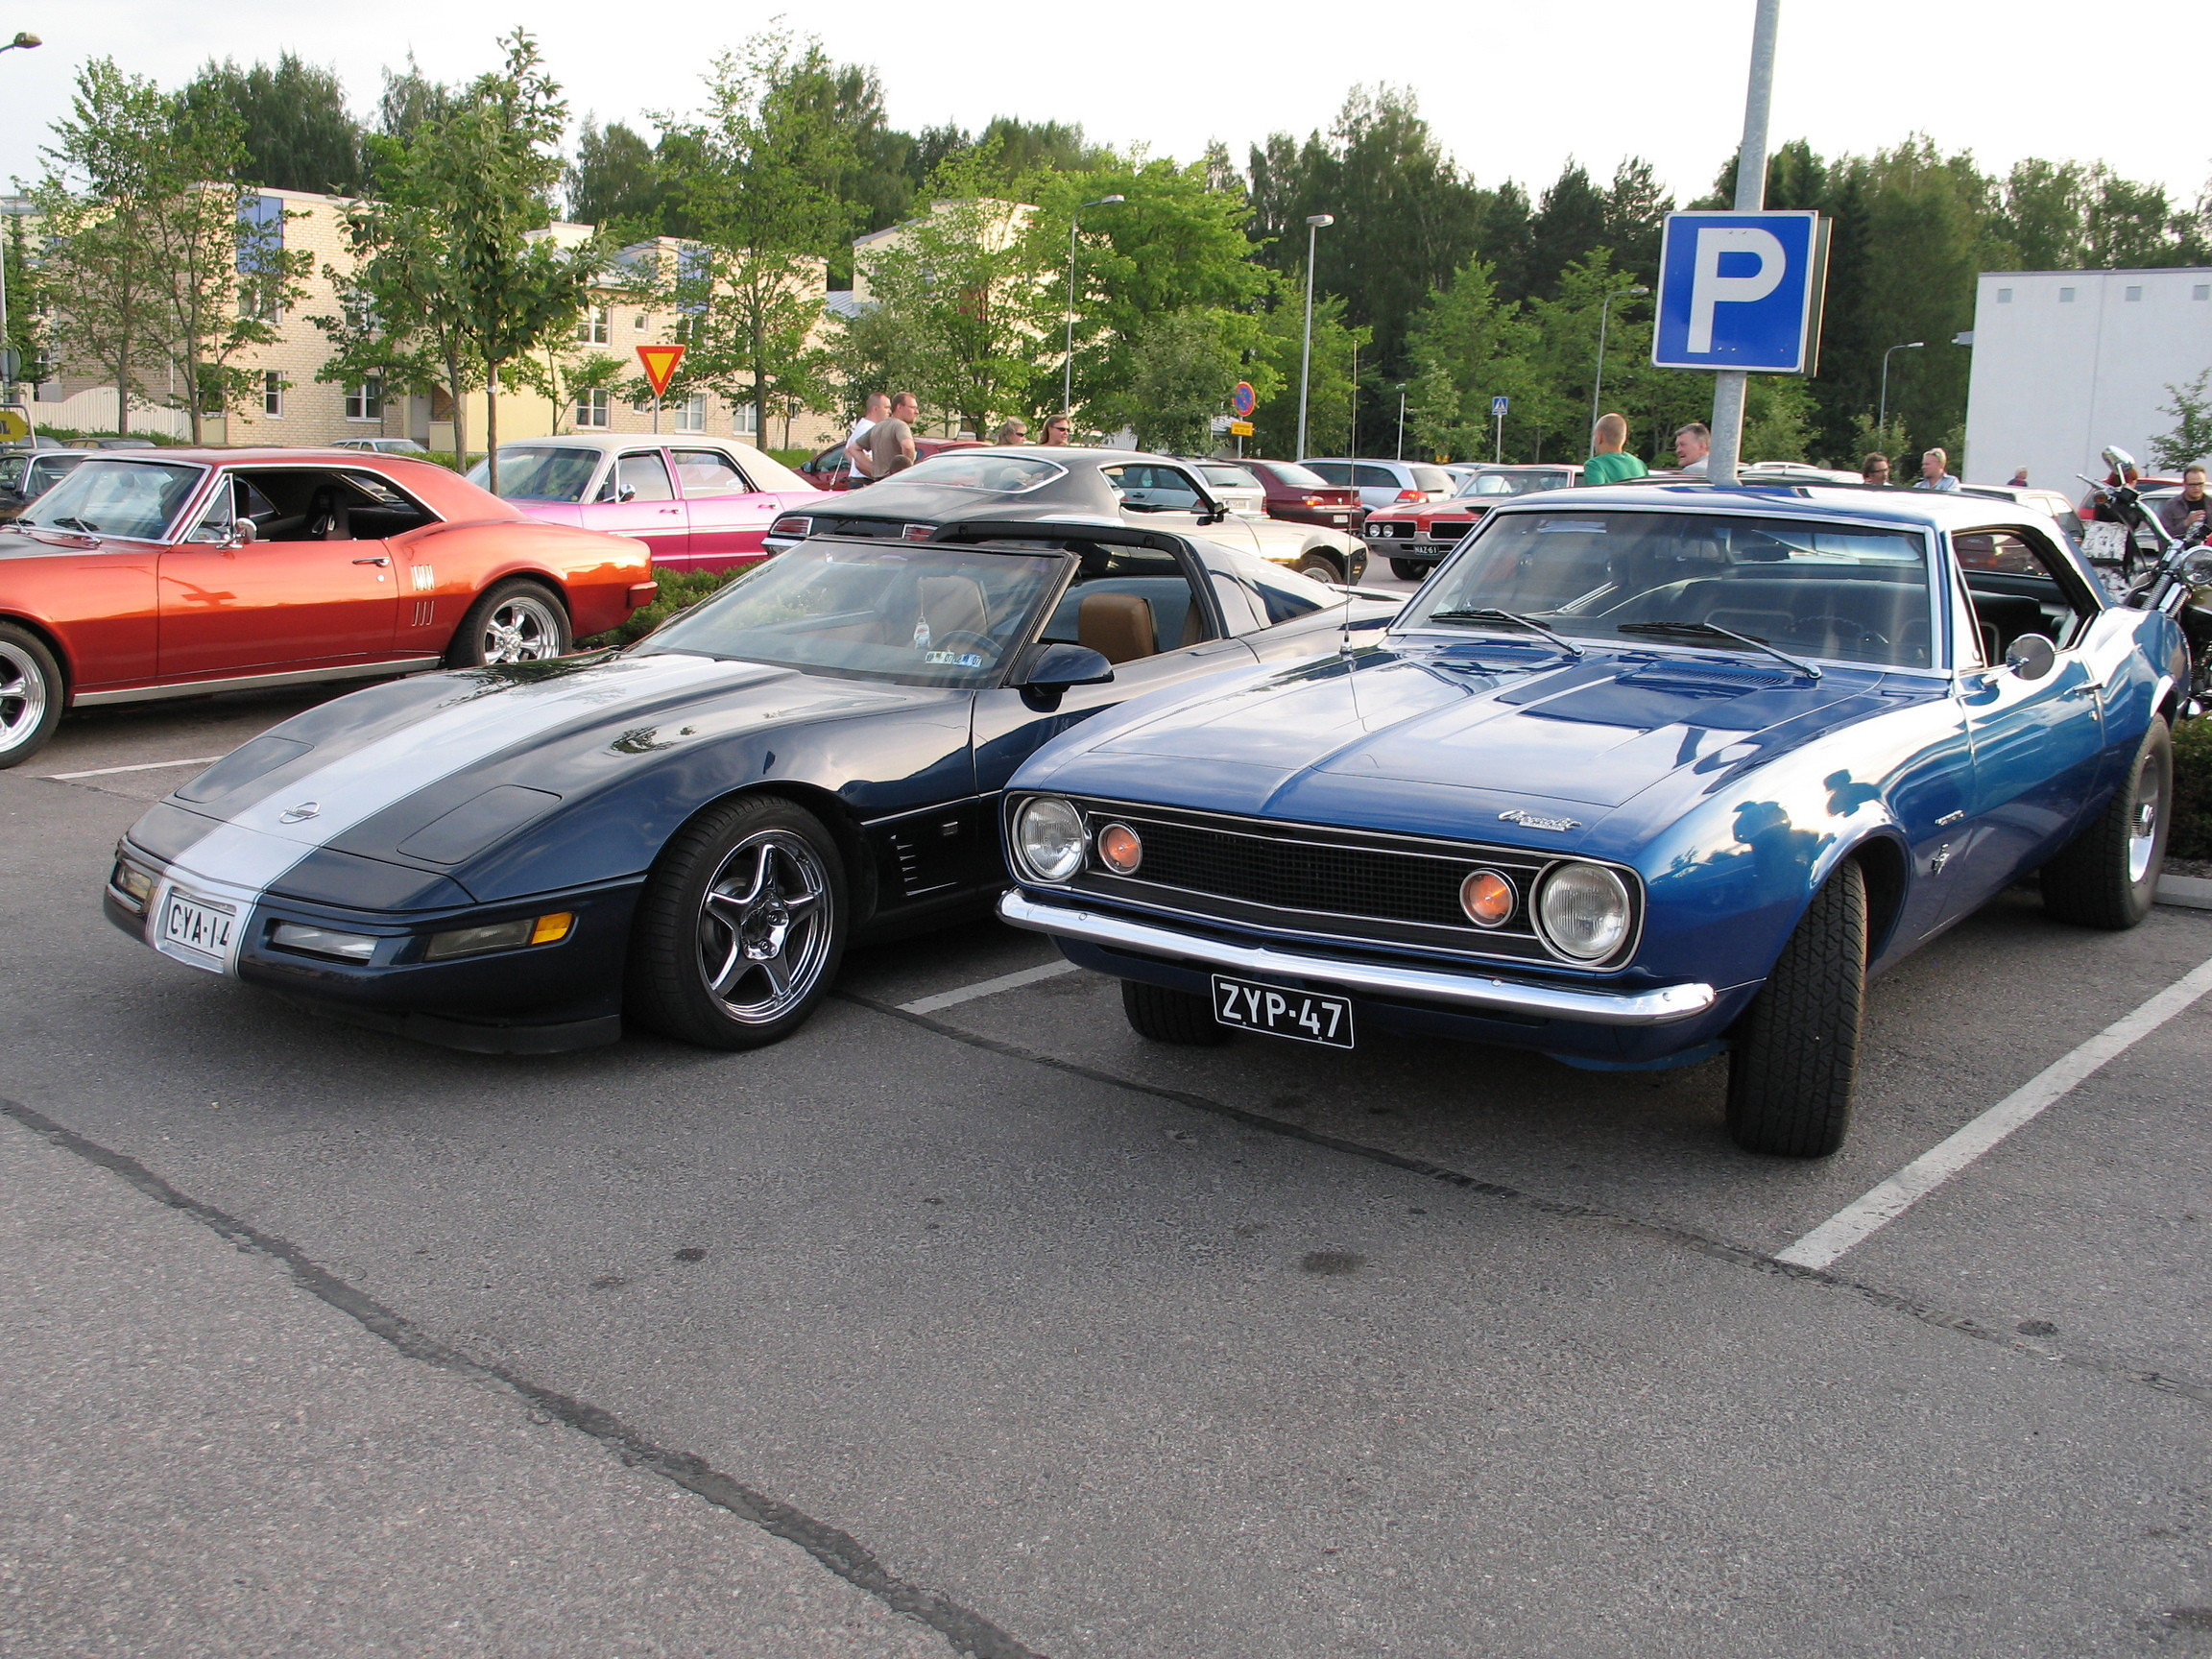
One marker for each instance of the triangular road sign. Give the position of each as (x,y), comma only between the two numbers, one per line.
(659,365)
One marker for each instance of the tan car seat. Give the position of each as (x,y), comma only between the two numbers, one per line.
(1118,626)
(954,604)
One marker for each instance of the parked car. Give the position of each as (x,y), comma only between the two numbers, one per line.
(1101,485)
(1299,495)
(1415,535)
(1385,483)
(25,474)
(1641,776)
(688,832)
(382,446)
(141,577)
(696,503)
(830,470)
(1231,483)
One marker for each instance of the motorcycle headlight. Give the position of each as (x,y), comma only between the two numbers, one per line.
(2196,569)
(1049,837)
(1583,910)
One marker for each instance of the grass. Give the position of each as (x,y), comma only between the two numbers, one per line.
(680,589)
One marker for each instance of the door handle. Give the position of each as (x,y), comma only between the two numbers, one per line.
(371,561)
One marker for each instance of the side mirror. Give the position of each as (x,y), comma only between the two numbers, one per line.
(2119,460)
(2031,655)
(1052,667)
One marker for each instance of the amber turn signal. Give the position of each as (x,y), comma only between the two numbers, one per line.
(1488,898)
(1119,849)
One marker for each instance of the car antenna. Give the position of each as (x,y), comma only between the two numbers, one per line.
(1351,662)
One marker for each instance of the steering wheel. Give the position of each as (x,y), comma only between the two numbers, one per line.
(1842,627)
(957,638)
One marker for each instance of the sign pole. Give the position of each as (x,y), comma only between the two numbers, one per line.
(656,411)
(1498,414)
(1728,385)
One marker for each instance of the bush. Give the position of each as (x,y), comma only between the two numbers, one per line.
(2192,831)
(680,589)
(791,458)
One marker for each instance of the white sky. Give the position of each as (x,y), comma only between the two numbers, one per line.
(1512,89)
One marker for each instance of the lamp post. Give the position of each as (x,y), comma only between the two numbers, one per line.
(1401,423)
(1314,228)
(1068,370)
(1882,411)
(23,43)
(1598,385)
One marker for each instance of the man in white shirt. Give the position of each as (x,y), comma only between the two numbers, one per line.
(856,451)
(1691,443)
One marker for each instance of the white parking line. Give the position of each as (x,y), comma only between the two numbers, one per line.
(986,988)
(142,766)
(1857,1221)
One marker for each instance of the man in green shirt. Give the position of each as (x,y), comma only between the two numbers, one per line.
(1609,463)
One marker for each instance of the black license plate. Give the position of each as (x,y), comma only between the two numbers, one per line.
(1277,1011)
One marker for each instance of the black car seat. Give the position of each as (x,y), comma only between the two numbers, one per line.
(1118,626)
(328,516)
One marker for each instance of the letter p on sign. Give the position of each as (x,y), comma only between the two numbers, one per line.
(1740,291)
(1709,288)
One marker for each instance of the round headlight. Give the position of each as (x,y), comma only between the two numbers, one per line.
(1049,837)
(1584,911)
(2196,569)
(1119,850)
(1488,898)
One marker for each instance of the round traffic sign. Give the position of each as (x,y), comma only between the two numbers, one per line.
(1243,399)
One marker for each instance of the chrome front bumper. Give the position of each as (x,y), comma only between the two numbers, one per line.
(1476,993)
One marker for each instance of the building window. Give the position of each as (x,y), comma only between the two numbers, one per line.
(2004,295)
(641,323)
(2134,293)
(744,419)
(2065,296)
(691,413)
(365,401)
(272,394)
(592,408)
(596,327)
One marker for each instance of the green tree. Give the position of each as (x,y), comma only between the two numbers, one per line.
(616,181)
(2190,441)
(1470,344)
(1183,371)
(29,306)
(292,123)
(1277,353)
(1569,222)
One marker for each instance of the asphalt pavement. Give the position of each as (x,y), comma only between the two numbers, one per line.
(966,1321)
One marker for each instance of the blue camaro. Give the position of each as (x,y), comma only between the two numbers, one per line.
(1640,775)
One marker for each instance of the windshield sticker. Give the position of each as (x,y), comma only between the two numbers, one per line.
(954,658)
(1572,526)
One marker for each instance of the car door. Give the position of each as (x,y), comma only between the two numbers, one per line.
(1150,614)
(728,516)
(1157,495)
(306,592)
(638,499)
(2037,745)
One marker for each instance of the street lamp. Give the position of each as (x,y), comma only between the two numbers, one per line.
(23,43)
(1314,228)
(1068,371)
(1598,385)
(1882,413)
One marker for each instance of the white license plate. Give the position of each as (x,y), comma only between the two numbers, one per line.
(200,927)
(1276,1011)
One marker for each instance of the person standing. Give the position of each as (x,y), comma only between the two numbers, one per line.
(2019,479)
(1057,432)
(1609,463)
(1933,474)
(891,441)
(1011,430)
(1692,444)
(2187,511)
(1875,470)
(856,441)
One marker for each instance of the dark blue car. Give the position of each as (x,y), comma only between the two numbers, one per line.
(1640,775)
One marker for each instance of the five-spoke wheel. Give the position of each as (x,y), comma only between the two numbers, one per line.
(514,621)
(31,694)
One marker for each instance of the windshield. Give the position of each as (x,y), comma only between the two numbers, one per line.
(1840,591)
(1299,477)
(538,472)
(1432,478)
(1229,477)
(982,469)
(1511,483)
(919,615)
(135,499)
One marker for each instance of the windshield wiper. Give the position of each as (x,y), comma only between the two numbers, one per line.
(77,525)
(1713,631)
(1491,613)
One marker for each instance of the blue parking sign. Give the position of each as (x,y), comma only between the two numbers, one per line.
(1740,291)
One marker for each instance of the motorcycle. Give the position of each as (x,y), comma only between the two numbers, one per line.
(2177,579)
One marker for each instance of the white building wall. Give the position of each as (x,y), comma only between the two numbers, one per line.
(2066,362)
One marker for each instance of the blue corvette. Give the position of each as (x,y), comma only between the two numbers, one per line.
(1640,775)
(691,831)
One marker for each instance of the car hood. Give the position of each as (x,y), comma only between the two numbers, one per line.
(1458,741)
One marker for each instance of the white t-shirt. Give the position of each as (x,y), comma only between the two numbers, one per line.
(855,454)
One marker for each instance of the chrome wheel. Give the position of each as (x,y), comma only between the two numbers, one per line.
(23,695)
(765,924)
(2143,822)
(521,629)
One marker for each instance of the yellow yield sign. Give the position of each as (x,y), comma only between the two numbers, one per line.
(15,425)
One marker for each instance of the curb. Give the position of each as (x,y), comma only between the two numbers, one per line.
(2189,892)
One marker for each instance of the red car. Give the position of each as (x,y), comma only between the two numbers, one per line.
(184,571)
(1415,535)
(1303,497)
(697,503)
(828,470)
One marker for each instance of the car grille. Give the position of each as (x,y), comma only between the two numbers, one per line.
(1449,529)
(1315,880)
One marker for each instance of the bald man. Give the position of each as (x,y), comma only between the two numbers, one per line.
(1608,462)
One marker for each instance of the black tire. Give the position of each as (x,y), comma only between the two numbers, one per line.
(1167,1016)
(2107,876)
(1321,567)
(1409,569)
(516,620)
(1795,1060)
(31,694)
(727,884)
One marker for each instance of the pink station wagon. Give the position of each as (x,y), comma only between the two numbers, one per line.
(697,503)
